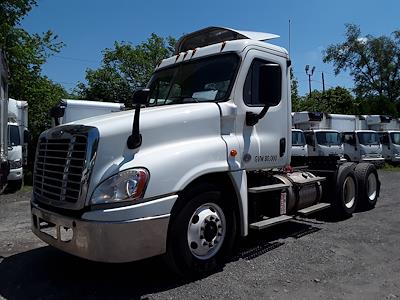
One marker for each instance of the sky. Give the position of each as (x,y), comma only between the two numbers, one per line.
(88,27)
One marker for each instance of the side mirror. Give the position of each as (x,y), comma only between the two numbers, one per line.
(270,84)
(141,96)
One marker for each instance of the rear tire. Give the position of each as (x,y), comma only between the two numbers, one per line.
(368,185)
(345,197)
(202,232)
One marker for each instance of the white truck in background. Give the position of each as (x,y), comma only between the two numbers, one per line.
(360,144)
(4,164)
(388,129)
(69,110)
(299,145)
(18,139)
(205,161)
(321,139)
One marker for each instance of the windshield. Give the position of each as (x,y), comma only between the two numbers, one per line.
(368,138)
(298,138)
(395,136)
(203,80)
(13,135)
(328,138)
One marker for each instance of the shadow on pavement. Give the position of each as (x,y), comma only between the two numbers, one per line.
(47,273)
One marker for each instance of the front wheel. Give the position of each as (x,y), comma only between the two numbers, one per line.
(202,232)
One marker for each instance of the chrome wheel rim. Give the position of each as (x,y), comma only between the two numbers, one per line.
(206,231)
(372,186)
(349,192)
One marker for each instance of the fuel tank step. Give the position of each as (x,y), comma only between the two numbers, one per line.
(268,188)
(312,209)
(270,222)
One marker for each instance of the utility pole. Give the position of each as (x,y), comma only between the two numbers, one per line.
(323,83)
(309,73)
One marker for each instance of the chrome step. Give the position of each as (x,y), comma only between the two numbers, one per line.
(268,188)
(312,209)
(270,222)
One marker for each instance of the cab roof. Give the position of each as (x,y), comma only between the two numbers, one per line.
(215,40)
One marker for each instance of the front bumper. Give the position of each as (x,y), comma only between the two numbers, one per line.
(105,241)
(377,161)
(16,174)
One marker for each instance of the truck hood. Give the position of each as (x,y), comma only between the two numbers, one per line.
(371,149)
(175,139)
(331,150)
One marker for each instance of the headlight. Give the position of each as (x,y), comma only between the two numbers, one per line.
(127,185)
(15,164)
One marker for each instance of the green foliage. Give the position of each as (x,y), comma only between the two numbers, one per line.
(374,63)
(26,53)
(125,68)
(294,91)
(335,100)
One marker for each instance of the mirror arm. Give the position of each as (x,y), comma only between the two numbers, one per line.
(253,118)
(135,139)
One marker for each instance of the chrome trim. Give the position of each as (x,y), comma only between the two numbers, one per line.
(70,132)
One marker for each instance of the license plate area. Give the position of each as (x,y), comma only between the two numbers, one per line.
(57,232)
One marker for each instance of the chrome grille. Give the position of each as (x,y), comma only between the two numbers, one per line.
(63,158)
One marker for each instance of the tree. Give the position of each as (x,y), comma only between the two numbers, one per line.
(374,63)
(26,54)
(125,68)
(294,87)
(336,100)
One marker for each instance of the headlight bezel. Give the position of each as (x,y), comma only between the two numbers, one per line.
(118,184)
(15,164)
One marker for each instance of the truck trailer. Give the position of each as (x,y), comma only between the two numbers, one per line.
(4,165)
(204,162)
(18,139)
(69,110)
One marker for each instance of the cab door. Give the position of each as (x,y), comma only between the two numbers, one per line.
(266,143)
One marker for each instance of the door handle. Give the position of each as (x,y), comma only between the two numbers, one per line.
(282,147)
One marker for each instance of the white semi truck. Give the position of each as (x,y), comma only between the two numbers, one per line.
(69,110)
(18,139)
(4,165)
(202,164)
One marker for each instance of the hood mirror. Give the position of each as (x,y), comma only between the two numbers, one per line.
(140,97)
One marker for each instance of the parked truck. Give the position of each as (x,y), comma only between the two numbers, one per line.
(360,144)
(4,165)
(69,110)
(205,162)
(388,129)
(18,139)
(321,139)
(390,140)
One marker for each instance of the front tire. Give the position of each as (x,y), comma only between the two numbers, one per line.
(202,232)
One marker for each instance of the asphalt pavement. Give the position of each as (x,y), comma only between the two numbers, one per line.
(315,258)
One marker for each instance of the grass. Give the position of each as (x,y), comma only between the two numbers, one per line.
(391,167)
